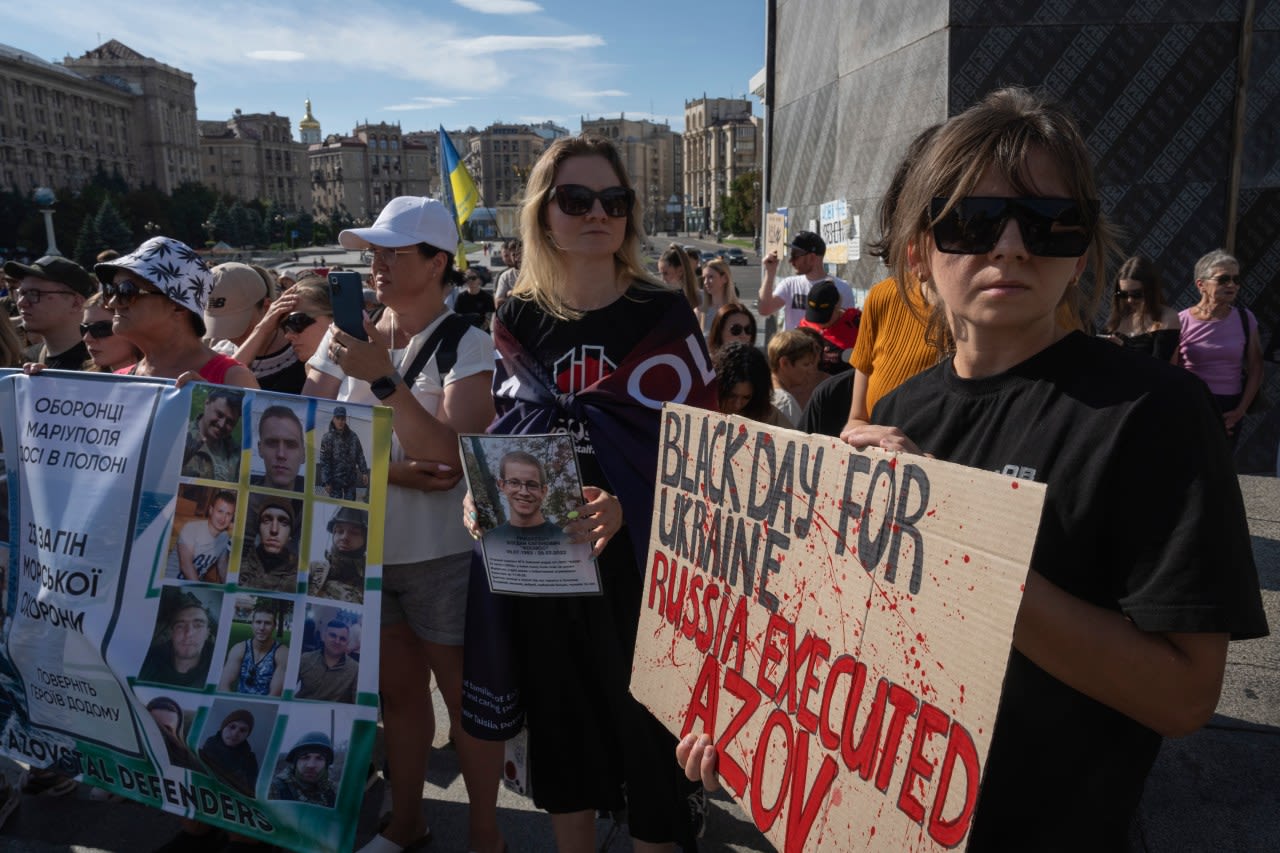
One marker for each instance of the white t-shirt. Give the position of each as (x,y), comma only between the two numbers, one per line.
(419,525)
(794,293)
(206,547)
(784,402)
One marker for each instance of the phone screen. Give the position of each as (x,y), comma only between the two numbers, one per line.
(346,293)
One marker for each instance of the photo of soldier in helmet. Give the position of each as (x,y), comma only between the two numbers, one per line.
(304,776)
(340,575)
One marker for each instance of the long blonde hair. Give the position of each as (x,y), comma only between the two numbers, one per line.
(999,133)
(542,266)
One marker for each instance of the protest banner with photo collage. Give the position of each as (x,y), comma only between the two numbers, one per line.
(190,619)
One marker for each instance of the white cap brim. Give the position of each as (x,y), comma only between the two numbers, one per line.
(364,238)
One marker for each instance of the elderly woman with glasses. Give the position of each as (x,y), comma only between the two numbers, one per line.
(1139,318)
(157,295)
(1219,340)
(591,346)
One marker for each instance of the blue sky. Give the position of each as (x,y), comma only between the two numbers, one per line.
(425,63)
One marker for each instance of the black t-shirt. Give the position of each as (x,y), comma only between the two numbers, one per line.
(480,302)
(578,353)
(827,411)
(1142,515)
(280,371)
(72,359)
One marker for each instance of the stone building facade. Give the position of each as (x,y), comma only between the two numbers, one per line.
(58,128)
(654,157)
(355,176)
(721,142)
(253,156)
(162,121)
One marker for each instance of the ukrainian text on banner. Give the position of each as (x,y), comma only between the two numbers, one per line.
(193,590)
(839,623)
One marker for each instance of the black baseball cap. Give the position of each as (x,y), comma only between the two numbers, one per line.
(56,269)
(822,302)
(807,241)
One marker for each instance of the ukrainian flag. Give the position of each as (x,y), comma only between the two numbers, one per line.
(464,196)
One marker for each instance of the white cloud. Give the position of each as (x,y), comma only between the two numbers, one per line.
(604,93)
(277,55)
(506,44)
(500,7)
(424,103)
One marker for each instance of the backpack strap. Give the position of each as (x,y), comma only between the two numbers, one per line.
(443,344)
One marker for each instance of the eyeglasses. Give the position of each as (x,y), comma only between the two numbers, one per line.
(796,254)
(529,485)
(296,322)
(125,293)
(34,295)
(1132,295)
(387,257)
(739,329)
(97,329)
(1051,227)
(577,200)
(1220,279)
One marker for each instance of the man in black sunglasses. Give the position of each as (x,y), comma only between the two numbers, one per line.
(50,296)
(792,293)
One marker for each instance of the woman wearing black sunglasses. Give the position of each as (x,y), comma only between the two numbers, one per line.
(157,295)
(1219,340)
(108,351)
(1142,568)
(591,346)
(308,315)
(1139,318)
(732,322)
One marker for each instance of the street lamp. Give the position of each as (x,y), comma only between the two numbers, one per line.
(45,197)
(151,228)
(209,228)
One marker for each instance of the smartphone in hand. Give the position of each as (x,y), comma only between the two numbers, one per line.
(346,294)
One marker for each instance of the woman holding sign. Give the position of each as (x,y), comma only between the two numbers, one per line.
(591,346)
(1142,569)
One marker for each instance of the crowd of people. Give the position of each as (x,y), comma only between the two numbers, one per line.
(988,229)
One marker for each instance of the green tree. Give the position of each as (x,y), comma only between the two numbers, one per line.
(240,232)
(88,244)
(111,229)
(221,222)
(188,209)
(742,205)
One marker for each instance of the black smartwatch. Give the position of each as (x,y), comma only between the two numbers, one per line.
(386,386)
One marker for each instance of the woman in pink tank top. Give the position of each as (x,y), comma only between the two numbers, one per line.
(1219,340)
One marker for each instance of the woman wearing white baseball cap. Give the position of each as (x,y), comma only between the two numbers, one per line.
(427,552)
(167,331)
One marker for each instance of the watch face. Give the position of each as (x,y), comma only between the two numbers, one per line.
(383,388)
